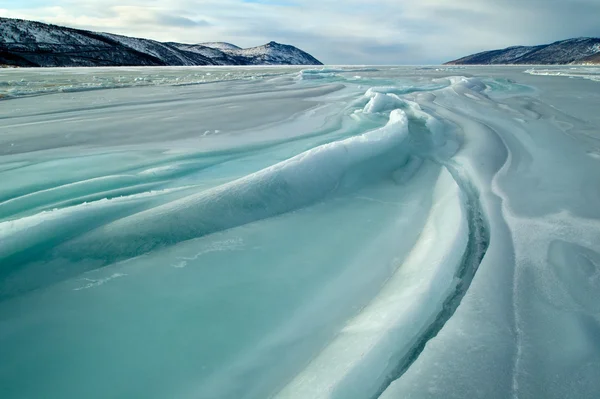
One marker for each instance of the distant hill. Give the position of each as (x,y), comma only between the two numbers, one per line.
(35,44)
(583,50)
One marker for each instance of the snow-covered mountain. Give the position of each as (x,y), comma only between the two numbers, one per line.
(220,45)
(35,44)
(273,53)
(581,50)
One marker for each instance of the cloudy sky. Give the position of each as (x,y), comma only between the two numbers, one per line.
(336,32)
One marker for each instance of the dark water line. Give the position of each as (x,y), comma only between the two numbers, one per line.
(477,245)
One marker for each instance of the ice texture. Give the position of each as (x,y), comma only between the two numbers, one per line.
(340,232)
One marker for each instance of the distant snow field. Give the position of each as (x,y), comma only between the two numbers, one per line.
(285,232)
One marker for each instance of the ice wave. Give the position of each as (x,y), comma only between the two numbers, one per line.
(297,182)
(372,344)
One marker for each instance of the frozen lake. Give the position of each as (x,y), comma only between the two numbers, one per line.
(293,233)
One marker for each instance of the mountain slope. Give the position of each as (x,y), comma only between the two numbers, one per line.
(35,44)
(571,51)
(273,53)
(220,45)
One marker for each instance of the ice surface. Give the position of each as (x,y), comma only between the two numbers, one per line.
(67,80)
(589,73)
(371,344)
(347,232)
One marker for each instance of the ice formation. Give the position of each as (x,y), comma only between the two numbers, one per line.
(340,233)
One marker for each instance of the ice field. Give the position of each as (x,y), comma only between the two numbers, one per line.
(293,233)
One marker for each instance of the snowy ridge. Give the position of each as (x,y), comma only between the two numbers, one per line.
(154,48)
(35,44)
(29,32)
(219,57)
(220,45)
(271,53)
(274,53)
(571,51)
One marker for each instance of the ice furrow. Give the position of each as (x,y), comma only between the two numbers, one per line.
(478,242)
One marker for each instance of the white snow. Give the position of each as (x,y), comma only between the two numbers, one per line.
(220,45)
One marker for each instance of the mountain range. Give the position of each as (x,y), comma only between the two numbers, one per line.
(35,44)
(582,50)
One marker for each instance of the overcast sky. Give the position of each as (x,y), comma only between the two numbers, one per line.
(335,32)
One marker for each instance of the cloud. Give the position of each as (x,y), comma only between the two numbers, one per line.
(353,31)
(150,17)
(173,20)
